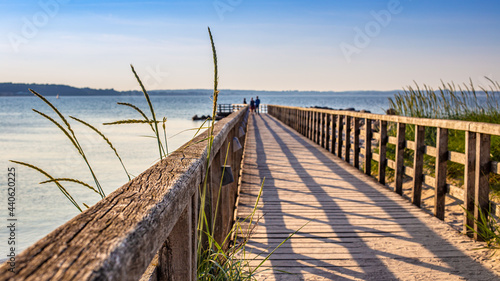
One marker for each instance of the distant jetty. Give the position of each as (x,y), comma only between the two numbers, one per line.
(344,109)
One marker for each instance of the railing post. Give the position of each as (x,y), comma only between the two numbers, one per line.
(340,128)
(382,152)
(323,129)
(482,193)
(318,128)
(441,167)
(327,136)
(310,125)
(320,131)
(368,146)
(334,133)
(175,259)
(300,121)
(356,142)
(418,165)
(400,149)
(313,135)
(347,138)
(469,181)
(215,223)
(304,122)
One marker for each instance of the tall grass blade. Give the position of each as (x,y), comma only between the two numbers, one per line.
(61,188)
(146,95)
(73,141)
(71,180)
(106,140)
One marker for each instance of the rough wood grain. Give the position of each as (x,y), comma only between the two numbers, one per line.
(118,237)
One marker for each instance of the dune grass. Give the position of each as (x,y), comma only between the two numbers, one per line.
(462,102)
(64,126)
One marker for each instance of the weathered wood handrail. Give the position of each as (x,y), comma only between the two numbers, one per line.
(336,126)
(154,216)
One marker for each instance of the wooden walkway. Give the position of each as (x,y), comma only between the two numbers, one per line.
(357,229)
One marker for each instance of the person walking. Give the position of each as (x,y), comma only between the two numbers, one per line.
(257,104)
(252,105)
(244,100)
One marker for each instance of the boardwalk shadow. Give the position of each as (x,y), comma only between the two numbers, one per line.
(359,259)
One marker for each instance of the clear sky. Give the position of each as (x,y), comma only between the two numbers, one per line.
(323,45)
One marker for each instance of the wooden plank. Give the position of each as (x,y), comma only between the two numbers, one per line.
(456,157)
(382,152)
(469,181)
(318,128)
(399,163)
(391,164)
(368,146)
(495,167)
(347,139)
(356,142)
(482,173)
(328,141)
(393,140)
(309,124)
(441,168)
(418,165)
(334,133)
(326,130)
(340,129)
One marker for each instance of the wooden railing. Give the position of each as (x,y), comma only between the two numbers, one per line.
(340,131)
(237,106)
(147,229)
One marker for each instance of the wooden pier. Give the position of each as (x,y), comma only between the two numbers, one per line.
(351,226)
(317,170)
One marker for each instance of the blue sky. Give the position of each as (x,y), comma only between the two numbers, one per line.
(262,45)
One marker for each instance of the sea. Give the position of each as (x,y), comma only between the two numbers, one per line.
(26,136)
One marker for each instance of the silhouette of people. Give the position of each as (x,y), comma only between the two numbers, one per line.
(244,101)
(257,103)
(252,105)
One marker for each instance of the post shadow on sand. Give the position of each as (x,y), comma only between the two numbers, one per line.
(376,263)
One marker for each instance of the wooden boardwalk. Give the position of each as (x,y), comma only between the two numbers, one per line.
(357,229)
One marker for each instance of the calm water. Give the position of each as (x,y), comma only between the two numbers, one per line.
(27,137)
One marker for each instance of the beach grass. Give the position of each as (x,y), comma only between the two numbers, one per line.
(449,101)
(454,102)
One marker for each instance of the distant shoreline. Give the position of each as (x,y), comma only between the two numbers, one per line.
(21,89)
